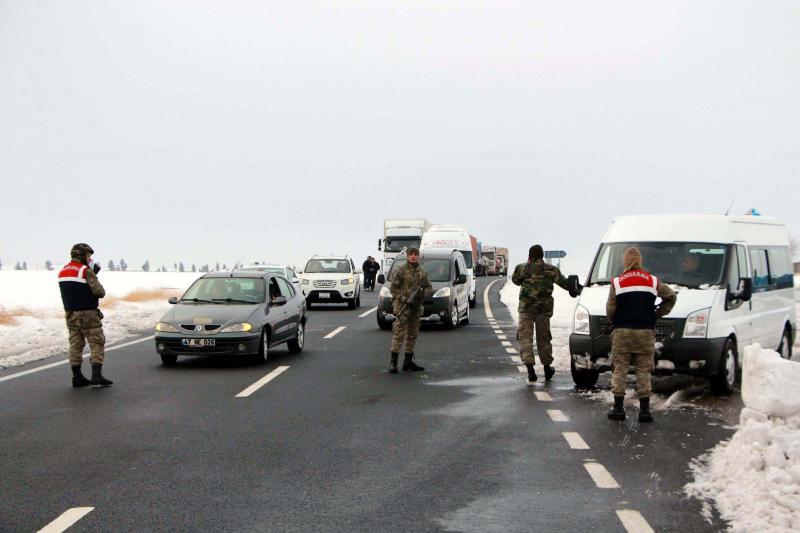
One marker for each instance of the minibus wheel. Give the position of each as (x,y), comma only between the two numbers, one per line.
(723,382)
(584,379)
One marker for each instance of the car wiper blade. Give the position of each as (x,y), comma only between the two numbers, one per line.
(233,300)
(196,300)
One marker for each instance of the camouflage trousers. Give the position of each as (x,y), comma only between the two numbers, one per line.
(86,326)
(528,322)
(405,328)
(635,346)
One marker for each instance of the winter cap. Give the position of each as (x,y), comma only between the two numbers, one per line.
(412,250)
(536,252)
(81,251)
(632,259)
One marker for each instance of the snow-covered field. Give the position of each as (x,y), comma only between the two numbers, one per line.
(32,318)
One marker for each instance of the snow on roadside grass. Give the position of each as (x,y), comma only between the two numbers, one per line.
(32,323)
(754,478)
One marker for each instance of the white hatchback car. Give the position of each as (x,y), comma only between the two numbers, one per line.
(330,280)
(283,270)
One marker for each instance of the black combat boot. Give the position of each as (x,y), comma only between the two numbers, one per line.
(97,376)
(393,365)
(618,411)
(549,371)
(644,410)
(78,379)
(531,375)
(409,365)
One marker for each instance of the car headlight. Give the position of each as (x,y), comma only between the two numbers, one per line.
(166,328)
(385,293)
(306,282)
(237,328)
(348,281)
(697,324)
(580,324)
(444,292)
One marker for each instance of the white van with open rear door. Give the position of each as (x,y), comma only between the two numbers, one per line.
(735,286)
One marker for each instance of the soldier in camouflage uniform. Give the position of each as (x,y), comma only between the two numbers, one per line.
(80,294)
(406,326)
(631,309)
(536,279)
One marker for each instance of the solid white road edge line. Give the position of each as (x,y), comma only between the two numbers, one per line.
(263,381)
(557,416)
(601,477)
(66,520)
(335,332)
(486,305)
(543,396)
(634,522)
(65,361)
(368,312)
(575,441)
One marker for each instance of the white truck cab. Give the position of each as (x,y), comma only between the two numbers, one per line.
(454,237)
(399,234)
(734,282)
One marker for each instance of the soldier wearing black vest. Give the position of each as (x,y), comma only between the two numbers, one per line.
(80,293)
(631,308)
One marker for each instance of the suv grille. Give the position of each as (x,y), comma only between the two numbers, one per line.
(324,283)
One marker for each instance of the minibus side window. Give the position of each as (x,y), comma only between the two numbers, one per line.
(741,257)
(733,274)
(780,268)
(758,258)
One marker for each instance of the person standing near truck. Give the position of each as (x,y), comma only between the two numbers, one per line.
(370,268)
(536,279)
(631,308)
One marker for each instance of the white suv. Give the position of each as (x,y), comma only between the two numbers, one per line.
(331,279)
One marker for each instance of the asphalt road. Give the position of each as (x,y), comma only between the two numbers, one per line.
(335,443)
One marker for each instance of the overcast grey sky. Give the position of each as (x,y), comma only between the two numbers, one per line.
(205,130)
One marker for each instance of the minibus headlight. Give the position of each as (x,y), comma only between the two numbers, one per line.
(697,324)
(580,324)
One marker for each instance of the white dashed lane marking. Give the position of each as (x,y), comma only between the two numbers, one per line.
(368,312)
(263,381)
(557,416)
(505,343)
(517,359)
(575,441)
(335,332)
(66,520)
(511,350)
(543,396)
(522,369)
(502,337)
(601,477)
(633,521)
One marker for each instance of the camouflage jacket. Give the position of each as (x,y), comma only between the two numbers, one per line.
(404,281)
(537,279)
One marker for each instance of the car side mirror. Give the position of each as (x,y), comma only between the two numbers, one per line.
(745,292)
(461,279)
(278,301)
(173,300)
(573,285)
(381,279)
(295,280)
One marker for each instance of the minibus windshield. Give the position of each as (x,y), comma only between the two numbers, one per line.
(688,264)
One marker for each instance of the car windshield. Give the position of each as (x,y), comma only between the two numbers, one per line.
(396,244)
(227,291)
(438,270)
(688,264)
(328,266)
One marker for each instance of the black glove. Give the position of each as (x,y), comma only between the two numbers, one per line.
(96,268)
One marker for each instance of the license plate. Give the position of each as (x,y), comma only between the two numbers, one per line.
(199,343)
(323,295)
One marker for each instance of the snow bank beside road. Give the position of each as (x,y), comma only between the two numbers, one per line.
(754,478)
(32,318)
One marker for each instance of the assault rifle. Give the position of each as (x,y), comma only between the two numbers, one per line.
(411,298)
